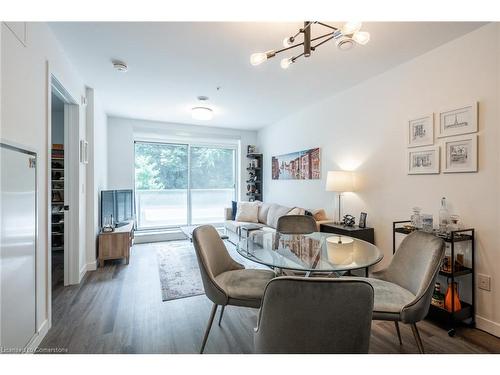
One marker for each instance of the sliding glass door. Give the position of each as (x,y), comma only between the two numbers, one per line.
(181,184)
(212,183)
(161,185)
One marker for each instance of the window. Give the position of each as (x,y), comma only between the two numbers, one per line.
(179,184)
(212,183)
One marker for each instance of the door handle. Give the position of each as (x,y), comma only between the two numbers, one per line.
(66,208)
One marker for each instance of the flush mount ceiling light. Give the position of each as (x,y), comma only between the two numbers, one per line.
(345,38)
(201,112)
(120,66)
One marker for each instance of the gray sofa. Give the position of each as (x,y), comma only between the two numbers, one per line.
(268,216)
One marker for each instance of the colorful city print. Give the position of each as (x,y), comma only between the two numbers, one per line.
(301,165)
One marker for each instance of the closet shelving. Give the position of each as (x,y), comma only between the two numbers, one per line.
(57,187)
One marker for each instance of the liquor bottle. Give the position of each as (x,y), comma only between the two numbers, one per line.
(437,296)
(444,216)
(452,304)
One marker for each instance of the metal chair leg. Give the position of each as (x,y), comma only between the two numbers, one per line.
(399,332)
(417,338)
(207,331)
(221,313)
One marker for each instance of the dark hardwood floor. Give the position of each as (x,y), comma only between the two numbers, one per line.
(118,309)
(57,271)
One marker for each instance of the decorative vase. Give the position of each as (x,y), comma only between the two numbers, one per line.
(448,302)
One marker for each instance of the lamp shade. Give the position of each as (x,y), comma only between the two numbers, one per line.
(340,181)
(340,249)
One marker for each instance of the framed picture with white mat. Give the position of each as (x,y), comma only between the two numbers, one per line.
(460,154)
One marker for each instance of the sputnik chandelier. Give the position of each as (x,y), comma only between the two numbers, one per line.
(345,37)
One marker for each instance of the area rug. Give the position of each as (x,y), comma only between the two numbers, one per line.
(178,267)
(179,272)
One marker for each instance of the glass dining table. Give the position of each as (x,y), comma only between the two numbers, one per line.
(316,252)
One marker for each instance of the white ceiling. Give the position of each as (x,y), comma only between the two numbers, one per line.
(171,63)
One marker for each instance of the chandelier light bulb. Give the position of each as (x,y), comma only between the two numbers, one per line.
(361,37)
(287,42)
(351,27)
(258,58)
(345,43)
(202,113)
(285,63)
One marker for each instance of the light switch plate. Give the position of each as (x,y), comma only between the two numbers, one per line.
(484,282)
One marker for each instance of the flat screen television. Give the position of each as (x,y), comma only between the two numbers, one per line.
(119,204)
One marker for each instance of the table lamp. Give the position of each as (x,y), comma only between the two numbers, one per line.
(340,182)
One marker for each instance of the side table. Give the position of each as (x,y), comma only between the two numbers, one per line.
(365,234)
(247,228)
(116,244)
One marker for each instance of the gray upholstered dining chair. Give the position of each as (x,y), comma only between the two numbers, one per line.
(296,224)
(315,315)
(403,290)
(226,282)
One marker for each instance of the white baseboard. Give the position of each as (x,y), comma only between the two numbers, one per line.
(488,325)
(38,337)
(158,237)
(83,271)
(92,266)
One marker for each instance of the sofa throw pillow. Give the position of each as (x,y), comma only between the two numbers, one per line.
(247,211)
(234,206)
(274,213)
(319,214)
(297,211)
(263,210)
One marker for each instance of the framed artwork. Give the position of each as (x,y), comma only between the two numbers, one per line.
(460,154)
(251,149)
(362,220)
(423,160)
(421,131)
(300,165)
(462,120)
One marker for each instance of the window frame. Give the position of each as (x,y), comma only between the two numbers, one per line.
(198,144)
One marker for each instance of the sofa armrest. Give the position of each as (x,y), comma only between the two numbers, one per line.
(228,213)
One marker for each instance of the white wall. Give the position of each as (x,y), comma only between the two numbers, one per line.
(120,153)
(1,122)
(364,129)
(25,120)
(122,133)
(97,136)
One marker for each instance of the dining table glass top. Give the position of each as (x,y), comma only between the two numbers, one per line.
(314,252)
